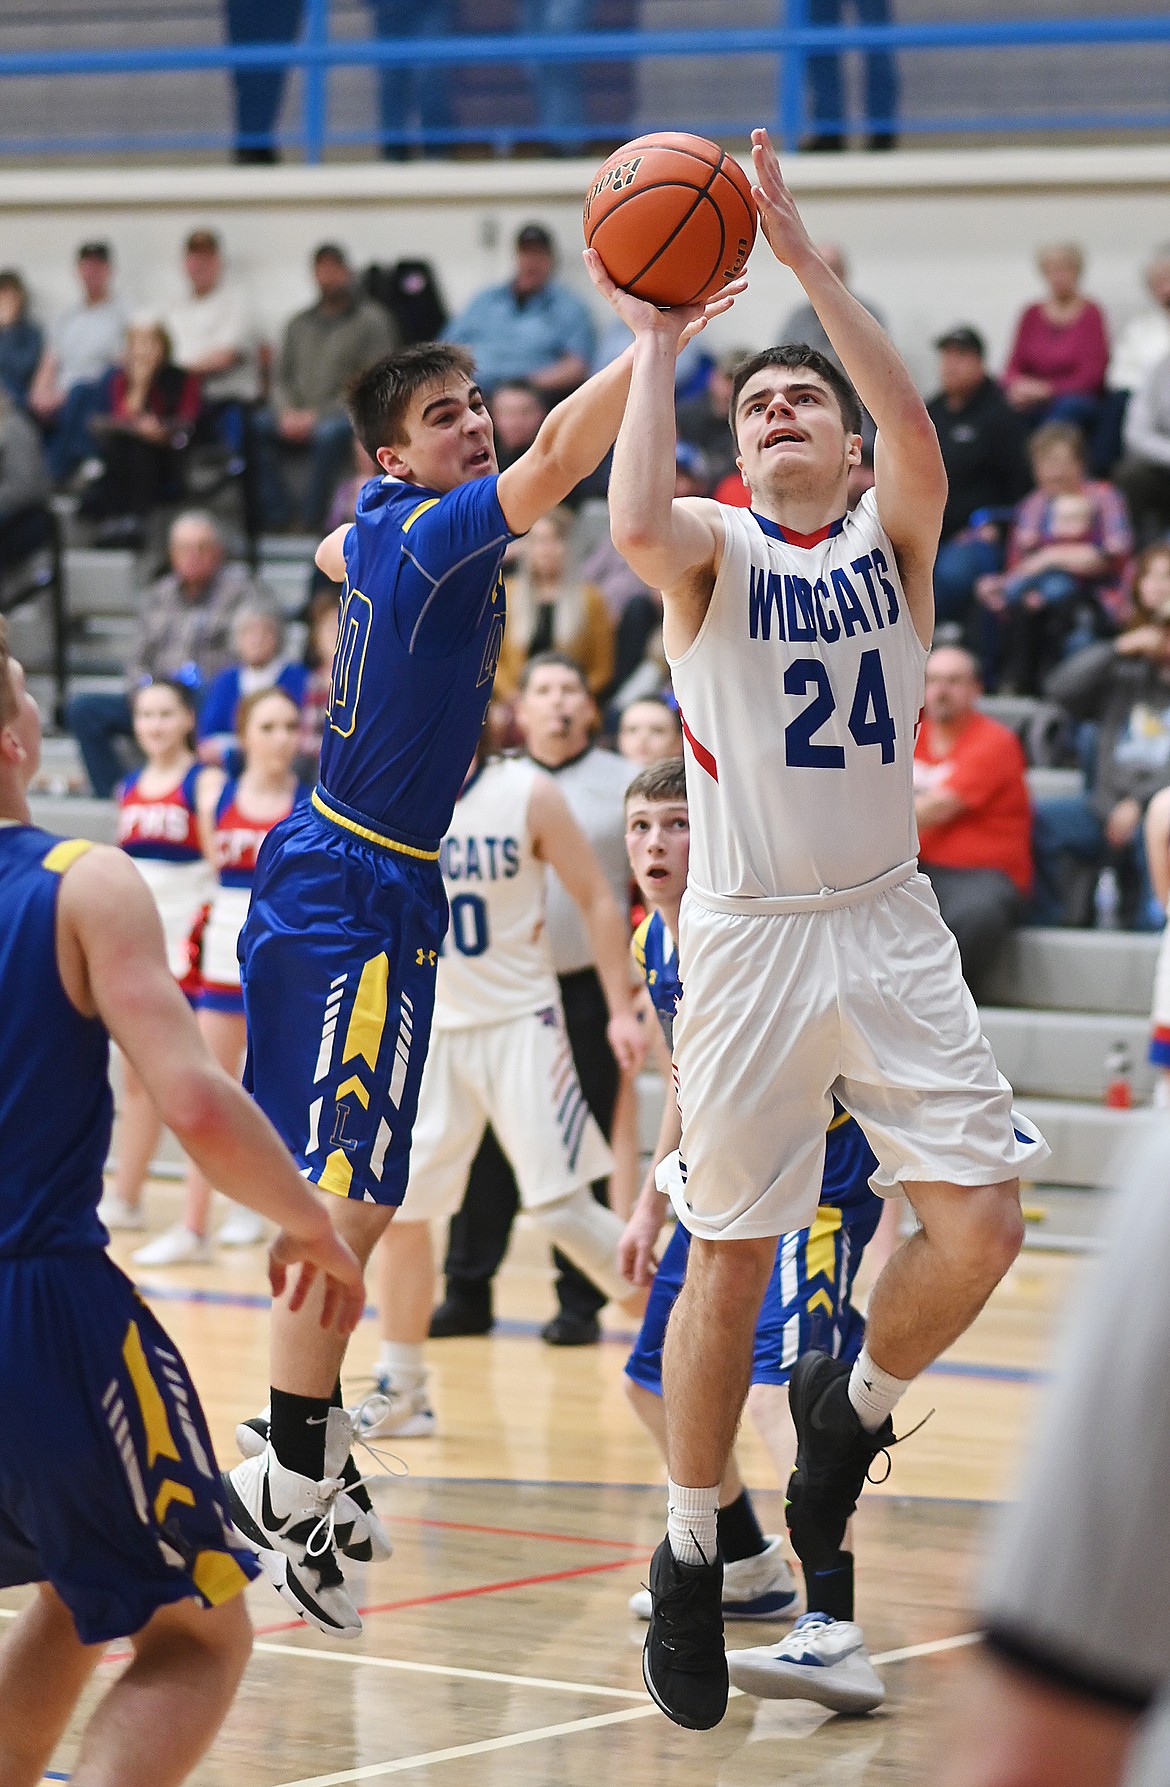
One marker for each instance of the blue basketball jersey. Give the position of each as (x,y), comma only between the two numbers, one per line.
(53,1145)
(656,955)
(421,625)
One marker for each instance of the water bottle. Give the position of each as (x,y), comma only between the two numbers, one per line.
(1107,901)
(1118,1076)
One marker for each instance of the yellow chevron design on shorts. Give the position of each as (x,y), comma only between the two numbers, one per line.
(159,1443)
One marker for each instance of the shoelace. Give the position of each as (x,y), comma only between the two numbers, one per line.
(373,1408)
(688,1639)
(804,1634)
(884,1452)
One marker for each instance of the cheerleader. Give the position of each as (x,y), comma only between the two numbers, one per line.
(234,819)
(158,828)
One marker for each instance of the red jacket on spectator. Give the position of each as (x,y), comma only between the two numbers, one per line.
(175,396)
(1071,358)
(985,769)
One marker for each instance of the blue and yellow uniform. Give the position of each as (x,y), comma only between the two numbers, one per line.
(126,1514)
(348,910)
(807,1301)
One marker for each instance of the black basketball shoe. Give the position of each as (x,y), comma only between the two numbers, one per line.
(833,1455)
(683,1661)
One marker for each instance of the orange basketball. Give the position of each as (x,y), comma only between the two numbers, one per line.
(672,217)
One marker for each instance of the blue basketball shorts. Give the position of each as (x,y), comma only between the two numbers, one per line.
(338,958)
(109,1488)
(806,1305)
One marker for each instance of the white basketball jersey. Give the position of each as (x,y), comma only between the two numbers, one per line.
(800,698)
(495,963)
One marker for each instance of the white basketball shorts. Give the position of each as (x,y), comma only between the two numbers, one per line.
(857,993)
(519,1077)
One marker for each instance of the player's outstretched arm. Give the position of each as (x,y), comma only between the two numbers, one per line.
(113,966)
(575,436)
(673,546)
(329,557)
(911,481)
(558,840)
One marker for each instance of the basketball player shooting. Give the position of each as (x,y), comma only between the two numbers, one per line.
(812,951)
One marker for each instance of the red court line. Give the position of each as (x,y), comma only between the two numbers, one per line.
(460,1594)
(517,1532)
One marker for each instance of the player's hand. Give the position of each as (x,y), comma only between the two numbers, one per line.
(679,325)
(323,1254)
(628,1040)
(780,220)
(636,1256)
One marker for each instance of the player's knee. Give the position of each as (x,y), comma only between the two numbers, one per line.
(993,1228)
(731,1274)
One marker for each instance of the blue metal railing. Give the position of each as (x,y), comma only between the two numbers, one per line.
(790,44)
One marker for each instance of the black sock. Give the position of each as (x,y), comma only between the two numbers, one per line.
(350,1474)
(739,1531)
(828,1585)
(297,1432)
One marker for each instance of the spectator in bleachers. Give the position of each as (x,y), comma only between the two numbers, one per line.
(517,410)
(83,345)
(639,664)
(649,731)
(826,88)
(21,340)
(1123,686)
(324,347)
(1144,473)
(1064,585)
(974,820)
(702,420)
(212,335)
(414,99)
(804,325)
(258,91)
(320,647)
(552,608)
(1056,368)
(185,632)
(983,448)
(143,420)
(1145,339)
(532,328)
(24,484)
(260,663)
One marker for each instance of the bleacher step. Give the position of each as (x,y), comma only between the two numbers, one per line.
(1054,1054)
(1067,970)
(1086,1139)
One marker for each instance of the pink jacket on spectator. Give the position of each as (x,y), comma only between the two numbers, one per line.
(1072,358)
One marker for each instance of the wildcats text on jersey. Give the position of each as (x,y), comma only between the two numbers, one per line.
(829,609)
(479,859)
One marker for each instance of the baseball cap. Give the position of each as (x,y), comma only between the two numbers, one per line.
(534,235)
(965,338)
(94,251)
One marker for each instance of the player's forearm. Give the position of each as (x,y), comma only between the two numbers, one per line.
(877,370)
(607,938)
(641,485)
(234,1145)
(575,436)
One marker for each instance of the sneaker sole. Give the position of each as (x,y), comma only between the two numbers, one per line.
(776,1680)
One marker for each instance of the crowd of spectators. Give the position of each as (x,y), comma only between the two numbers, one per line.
(1058,467)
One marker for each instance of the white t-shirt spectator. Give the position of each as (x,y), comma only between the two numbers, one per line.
(1144,341)
(87,340)
(201,326)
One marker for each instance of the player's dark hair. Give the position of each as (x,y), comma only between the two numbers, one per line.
(379,397)
(664,781)
(794,356)
(7,690)
(555,660)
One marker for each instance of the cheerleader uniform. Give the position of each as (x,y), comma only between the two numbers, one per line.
(161,834)
(237,845)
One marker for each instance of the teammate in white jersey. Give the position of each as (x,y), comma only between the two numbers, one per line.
(812,952)
(500,1055)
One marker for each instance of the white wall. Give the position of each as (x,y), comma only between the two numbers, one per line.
(934,238)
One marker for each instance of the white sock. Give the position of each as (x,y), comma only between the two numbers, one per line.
(691,1517)
(873,1392)
(402,1361)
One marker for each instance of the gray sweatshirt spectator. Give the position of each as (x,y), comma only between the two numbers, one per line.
(24,477)
(1144,473)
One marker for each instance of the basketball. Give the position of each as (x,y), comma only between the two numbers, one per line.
(672,217)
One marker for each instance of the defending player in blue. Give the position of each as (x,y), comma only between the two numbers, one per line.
(348,910)
(807,1304)
(110,1500)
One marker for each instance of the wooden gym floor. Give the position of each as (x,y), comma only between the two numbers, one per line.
(497,1644)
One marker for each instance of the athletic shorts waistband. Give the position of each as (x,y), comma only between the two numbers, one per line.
(350,820)
(779,905)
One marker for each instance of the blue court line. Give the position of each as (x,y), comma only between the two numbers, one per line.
(514,1330)
(51,1775)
